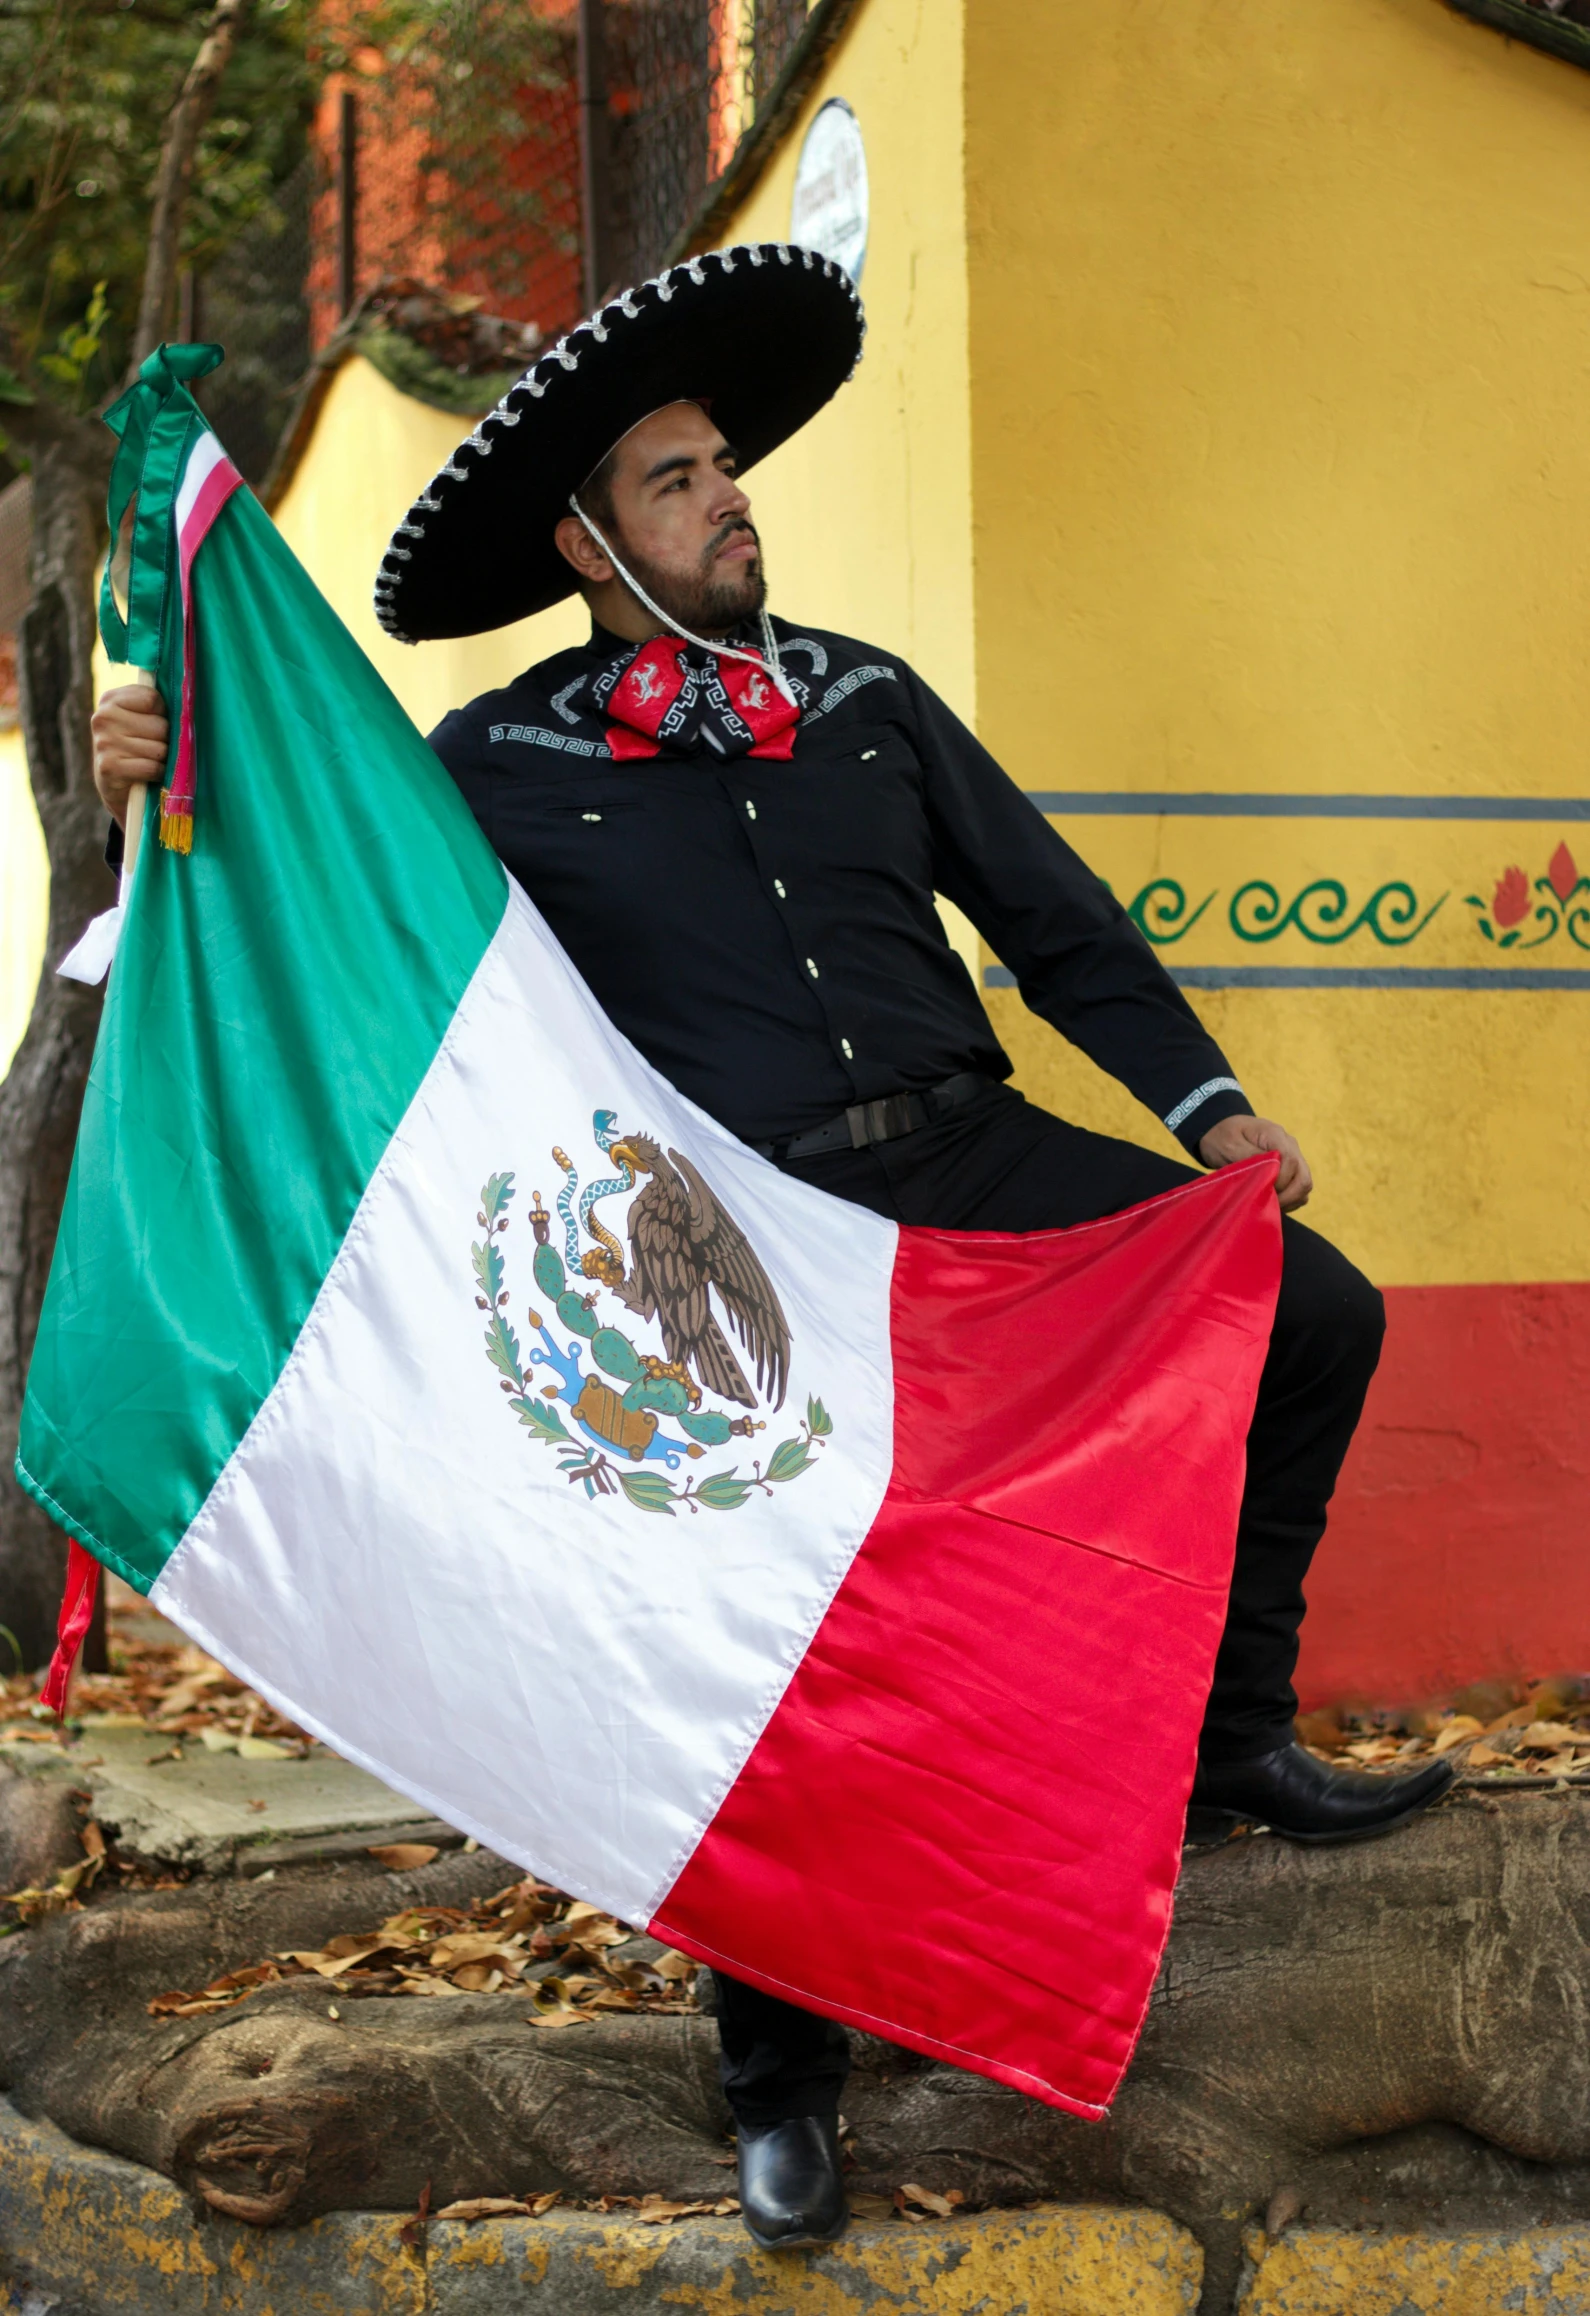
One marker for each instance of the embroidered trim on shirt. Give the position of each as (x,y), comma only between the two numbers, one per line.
(1184,1110)
(848,684)
(810,645)
(537,736)
(560,700)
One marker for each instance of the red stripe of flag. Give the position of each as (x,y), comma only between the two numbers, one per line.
(961,1828)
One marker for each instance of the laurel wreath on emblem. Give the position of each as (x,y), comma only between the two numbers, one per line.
(630,1419)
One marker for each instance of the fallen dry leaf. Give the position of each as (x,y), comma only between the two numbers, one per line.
(924,2197)
(479,2207)
(565,2016)
(1285,2206)
(1454,1732)
(654,2209)
(187,1693)
(412,2233)
(471,1946)
(1547,1737)
(458,1952)
(404,1858)
(1485,1756)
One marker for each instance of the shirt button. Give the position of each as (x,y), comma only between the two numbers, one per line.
(778,887)
(846,1049)
(811,968)
(750,809)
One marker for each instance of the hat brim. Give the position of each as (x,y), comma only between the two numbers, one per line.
(762,335)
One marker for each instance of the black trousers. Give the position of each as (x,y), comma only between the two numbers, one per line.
(1003,1164)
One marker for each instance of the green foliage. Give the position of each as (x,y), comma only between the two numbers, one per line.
(723,1492)
(415,372)
(543,1420)
(487,1264)
(788,1460)
(649,1490)
(85,88)
(502,1349)
(818,1420)
(77,345)
(497,1196)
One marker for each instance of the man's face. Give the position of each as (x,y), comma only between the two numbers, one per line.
(683,523)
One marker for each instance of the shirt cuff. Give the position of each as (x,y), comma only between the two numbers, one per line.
(1204,1107)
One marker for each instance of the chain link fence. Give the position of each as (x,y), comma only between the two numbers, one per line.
(685,82)
(254,303)
(523,159)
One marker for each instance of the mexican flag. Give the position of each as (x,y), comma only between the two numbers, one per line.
(752,1568)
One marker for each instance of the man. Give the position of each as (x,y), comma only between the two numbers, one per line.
(736,827)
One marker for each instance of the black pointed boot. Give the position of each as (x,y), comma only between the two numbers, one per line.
(791,2191)
(1308,1800)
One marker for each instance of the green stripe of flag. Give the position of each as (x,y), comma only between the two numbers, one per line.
(270,1017)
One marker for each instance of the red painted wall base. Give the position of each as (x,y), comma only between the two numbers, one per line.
(1459,1539)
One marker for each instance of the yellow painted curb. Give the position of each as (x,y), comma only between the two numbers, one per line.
(1340,2272)
(106,2235)
(1080,2260)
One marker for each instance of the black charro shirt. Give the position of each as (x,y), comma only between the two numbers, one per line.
(765,931)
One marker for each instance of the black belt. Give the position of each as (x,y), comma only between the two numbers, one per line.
(880,1121)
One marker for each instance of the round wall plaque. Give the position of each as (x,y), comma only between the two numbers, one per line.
(829,210)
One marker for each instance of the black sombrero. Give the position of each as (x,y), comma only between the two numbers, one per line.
(763,335)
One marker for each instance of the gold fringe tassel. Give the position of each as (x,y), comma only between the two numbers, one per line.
(176,828)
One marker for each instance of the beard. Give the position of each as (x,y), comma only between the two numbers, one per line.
(710,600)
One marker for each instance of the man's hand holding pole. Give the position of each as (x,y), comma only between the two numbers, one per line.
(131,735)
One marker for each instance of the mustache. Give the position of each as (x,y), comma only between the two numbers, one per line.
(722,537)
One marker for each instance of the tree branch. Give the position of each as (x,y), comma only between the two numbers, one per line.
(184,126)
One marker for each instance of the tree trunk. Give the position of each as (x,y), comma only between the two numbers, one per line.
(184,125)
(1392,2032)
(41,1097)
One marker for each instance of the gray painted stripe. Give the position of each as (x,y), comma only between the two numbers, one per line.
(1350,977)
(1208,805)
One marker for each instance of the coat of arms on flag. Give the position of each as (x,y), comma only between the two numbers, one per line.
(627,1404)
(341,1049)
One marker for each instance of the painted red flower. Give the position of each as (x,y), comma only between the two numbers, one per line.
(1510,901)
(1562,872)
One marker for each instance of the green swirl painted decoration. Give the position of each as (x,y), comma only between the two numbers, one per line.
(1160,911)
(1323,912)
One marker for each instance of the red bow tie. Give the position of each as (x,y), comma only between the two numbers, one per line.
(730,706)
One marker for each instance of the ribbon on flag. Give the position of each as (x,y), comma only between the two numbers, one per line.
(169,461)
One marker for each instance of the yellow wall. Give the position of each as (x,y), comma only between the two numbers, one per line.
(372,452)
(1280,328)
(867,514)
(866,517)
(24,895)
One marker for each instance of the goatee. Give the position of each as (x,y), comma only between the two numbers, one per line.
(713,601)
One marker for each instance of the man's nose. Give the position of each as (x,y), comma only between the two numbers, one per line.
(731,502)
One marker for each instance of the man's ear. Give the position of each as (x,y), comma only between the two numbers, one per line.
(577,547)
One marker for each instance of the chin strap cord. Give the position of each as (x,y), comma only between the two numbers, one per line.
(768,659)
